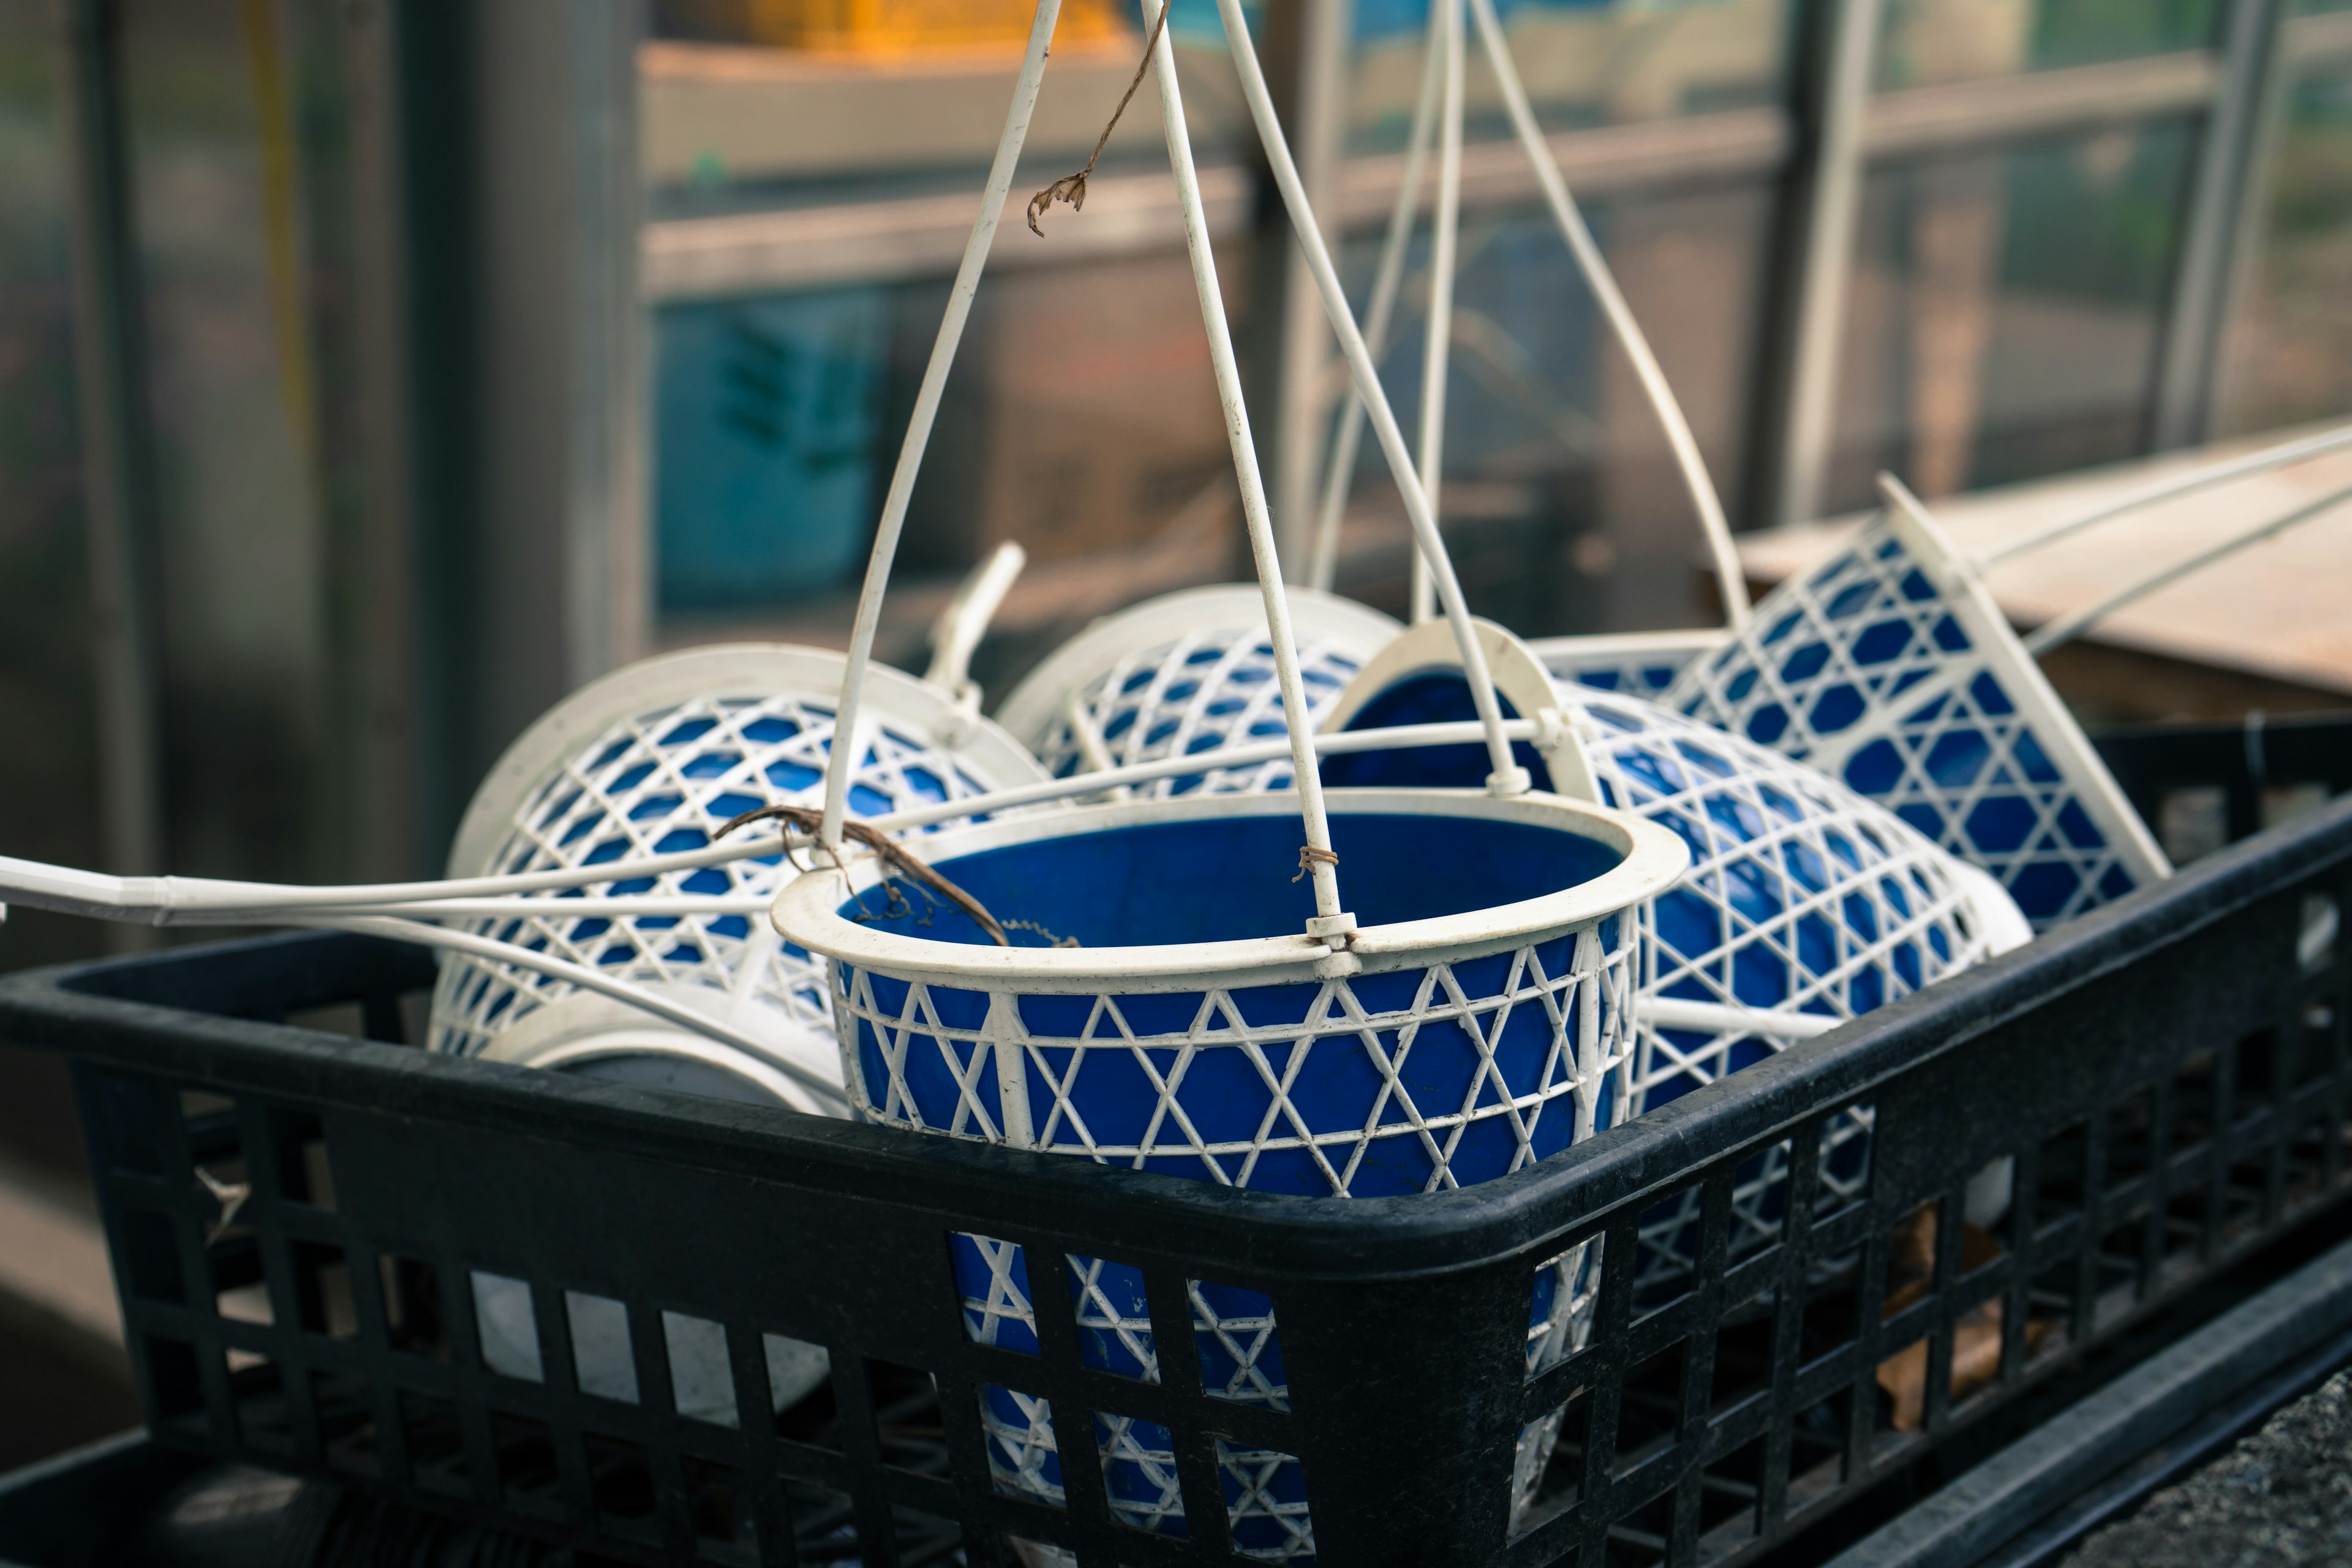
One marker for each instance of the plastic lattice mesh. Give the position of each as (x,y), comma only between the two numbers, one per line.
(1413,1081)
(1889,668)
(1802,897)
(660,782)
(1559,1323)
(1630,667)
(1239,1346)
(1205,690)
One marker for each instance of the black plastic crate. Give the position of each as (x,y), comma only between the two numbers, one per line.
(297,1219)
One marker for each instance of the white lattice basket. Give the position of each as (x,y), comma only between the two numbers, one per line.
(1890,667)
(1805,904)
(1190,671)
(652,760)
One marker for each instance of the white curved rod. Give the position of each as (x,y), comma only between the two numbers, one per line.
(2269,457)
(1317,857)
(2065,628)
(1507,777)
(1437,320)
(918,424)
(197,900)
(1388,278)
(1731,582)
(95,894)
(1716,1019)
(623,907)
(586,979)
(957,633)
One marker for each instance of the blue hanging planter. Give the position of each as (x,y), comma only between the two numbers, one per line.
(1474,1025)
(1477,1023)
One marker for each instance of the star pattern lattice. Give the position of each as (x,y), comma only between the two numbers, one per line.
(1567,1292)
(1023,1458)
(1206,690)
(1877,672)
(1802,897)
(1240,1351)
(661,782)
(1421,1080)
(1138,1461)
(1265,1504)
(1114,1323)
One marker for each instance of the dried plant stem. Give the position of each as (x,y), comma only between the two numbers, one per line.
(895,857)
(1072,188)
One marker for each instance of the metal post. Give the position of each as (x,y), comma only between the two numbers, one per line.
(117,438)
(389,788)
(2220,203)
(1794,431)
(559,453)
(1302,408)
(1437,320)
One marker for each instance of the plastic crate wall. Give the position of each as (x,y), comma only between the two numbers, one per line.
(298,1221)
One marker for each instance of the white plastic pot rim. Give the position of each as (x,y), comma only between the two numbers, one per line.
(1653,858)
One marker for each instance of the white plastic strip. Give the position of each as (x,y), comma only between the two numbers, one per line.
(1507,777)
(193,901)
(1388,278)
(1731,582)
(1437,321)
(2269,457)
(1715,1018)
(2065,628)
(1317,857)
(623,907)
(956,635)
(842,759)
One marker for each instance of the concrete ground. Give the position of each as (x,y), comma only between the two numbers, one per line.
(2283,1496)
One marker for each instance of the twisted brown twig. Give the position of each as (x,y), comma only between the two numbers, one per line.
(1072,188)
(1308,857)
(895,857)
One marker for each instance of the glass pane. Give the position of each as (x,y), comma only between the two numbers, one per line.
(746,105)
(220,241)
(1583,63)
(49,792)
(1561,507)
(2003,313)
(2290,348)
(1081,421)
(1922,42)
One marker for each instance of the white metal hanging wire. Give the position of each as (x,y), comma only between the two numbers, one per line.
(1438,114)
(1645,664)
(1330,920)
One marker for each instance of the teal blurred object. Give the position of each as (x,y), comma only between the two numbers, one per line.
(767,413)
(1376,19)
